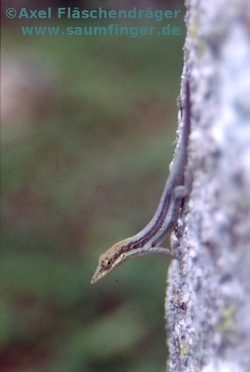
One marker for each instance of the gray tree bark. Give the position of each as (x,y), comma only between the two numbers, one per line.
(208,296)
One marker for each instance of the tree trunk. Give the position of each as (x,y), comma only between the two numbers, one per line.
(207,303)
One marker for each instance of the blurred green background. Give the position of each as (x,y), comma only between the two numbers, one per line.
(87,132)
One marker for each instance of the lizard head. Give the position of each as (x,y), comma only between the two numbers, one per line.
(111,259)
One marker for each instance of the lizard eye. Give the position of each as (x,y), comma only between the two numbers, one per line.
(107,262)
